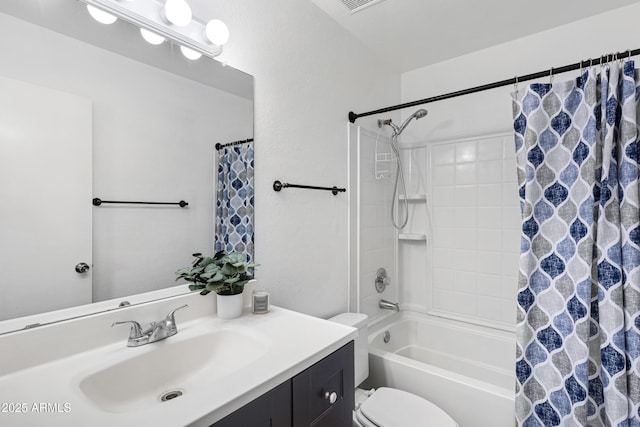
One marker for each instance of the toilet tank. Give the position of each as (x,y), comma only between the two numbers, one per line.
(361,355)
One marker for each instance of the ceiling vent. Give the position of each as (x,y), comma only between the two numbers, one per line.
(357,5)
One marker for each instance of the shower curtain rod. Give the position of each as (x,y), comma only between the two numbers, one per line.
(515,80)
(243,141)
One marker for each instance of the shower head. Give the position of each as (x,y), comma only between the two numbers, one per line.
(397,130)
(421,113)
(417,115)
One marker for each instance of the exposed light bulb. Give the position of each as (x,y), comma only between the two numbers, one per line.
(100,15)
(217,32)
(177,12)
(190,53)
(151,37)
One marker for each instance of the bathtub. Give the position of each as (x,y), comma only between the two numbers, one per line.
(465,369)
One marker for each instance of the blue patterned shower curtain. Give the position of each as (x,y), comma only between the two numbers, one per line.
(235,208)
(578,332)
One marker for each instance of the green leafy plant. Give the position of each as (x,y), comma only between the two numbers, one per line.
(224,274)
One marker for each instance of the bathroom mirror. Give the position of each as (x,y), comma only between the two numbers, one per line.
(145,121)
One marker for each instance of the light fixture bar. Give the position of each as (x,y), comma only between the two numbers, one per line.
(148,14)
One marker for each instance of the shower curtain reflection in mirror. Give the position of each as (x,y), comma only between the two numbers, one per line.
(235,202)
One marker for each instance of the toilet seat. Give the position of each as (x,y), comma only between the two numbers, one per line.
(389,407)
(363,421)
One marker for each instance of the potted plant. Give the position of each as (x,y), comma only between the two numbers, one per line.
(225,274)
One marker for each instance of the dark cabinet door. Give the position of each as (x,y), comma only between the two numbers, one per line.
(323,395)
(272,409)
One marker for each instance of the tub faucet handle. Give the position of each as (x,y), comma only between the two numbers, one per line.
(382,280)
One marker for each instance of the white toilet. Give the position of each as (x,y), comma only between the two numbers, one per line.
(386,407)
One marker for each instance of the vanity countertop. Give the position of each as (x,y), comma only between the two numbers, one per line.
(61,390)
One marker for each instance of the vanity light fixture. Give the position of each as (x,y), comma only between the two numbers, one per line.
(190,53)
(101,16)
(216,32)
(171,20)
(177,12)
(151,37)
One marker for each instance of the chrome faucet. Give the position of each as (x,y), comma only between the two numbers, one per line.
(157,330)
(387,305)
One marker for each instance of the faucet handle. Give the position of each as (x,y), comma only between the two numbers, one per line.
(136,329)
(382,280)
(170,321)
(170,317)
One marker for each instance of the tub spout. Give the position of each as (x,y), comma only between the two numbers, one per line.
(387,305)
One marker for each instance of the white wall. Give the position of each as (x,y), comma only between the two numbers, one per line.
(309,73)
(490,111)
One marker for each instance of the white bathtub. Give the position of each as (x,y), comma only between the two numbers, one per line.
(466,370)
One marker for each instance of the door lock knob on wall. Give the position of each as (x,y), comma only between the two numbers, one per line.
(382,280)
(82,267)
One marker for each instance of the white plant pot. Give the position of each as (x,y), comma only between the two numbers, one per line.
(229,306)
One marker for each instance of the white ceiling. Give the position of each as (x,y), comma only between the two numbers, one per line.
(415,33)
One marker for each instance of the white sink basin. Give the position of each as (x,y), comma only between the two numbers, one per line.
(179,363)
(84,371)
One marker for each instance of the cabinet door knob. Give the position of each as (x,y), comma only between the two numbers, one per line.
(331,397)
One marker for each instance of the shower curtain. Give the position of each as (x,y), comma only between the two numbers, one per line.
(578,331)
(234,206)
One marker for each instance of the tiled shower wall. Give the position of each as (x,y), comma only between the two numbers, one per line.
(474,223)
(467,266)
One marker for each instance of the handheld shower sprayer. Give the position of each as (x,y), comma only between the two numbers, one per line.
(397,130)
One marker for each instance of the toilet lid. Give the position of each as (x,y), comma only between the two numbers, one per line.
(389,407)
